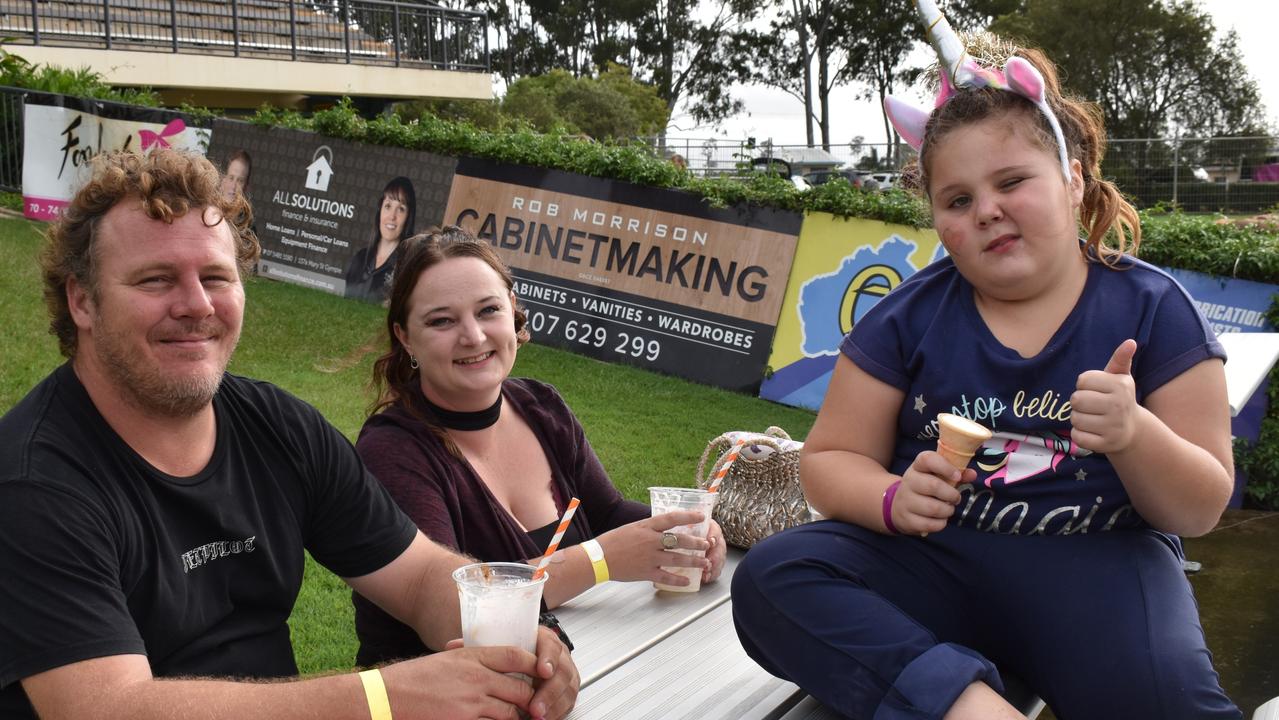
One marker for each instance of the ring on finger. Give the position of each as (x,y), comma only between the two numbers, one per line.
(670,540)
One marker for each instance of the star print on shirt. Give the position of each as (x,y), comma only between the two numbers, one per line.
(1080,475)
(920,404)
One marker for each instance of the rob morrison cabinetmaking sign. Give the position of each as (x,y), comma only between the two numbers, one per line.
(634,274)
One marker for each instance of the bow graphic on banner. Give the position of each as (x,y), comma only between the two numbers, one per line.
(151,139)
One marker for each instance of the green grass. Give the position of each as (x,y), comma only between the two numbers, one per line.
(648,429)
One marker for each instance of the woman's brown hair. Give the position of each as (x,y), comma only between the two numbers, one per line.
(395,380)
(1110,221)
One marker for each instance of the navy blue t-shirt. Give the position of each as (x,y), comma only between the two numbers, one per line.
(927,339)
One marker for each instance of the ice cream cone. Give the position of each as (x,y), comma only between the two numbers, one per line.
(959,439)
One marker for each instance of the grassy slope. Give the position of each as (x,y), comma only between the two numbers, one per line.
(647,428)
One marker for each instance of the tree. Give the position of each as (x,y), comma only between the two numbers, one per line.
(613,105)
(684,48)
(802,33)
(888,30)
(1155,67)
(679,46)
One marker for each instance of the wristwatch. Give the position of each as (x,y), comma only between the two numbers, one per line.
(549,620)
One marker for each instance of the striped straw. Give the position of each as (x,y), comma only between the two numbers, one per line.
(555,540)
(728,462)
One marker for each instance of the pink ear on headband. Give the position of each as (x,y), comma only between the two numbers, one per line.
(1025,80)
(908,119)
(958,70)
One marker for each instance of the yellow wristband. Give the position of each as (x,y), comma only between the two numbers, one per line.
(596,554)
(375,693)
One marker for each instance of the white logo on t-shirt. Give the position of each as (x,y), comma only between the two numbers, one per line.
(198,556)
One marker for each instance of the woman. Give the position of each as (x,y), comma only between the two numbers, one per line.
(486,463)
(372,269)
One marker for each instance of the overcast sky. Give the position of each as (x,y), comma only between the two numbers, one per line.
(774,114)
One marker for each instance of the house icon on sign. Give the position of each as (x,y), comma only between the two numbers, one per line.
(320,171)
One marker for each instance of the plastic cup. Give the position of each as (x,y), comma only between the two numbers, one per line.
(501,604)
(664,500)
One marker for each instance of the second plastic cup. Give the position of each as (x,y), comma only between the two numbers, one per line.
(501,603)
(666,499)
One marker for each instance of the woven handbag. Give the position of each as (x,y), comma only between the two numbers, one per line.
(761,493)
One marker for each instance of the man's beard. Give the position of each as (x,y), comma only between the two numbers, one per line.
(149,389)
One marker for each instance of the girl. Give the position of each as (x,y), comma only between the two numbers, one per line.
(372,269)
(1054,556)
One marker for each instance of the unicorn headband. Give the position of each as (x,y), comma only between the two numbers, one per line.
(959,70)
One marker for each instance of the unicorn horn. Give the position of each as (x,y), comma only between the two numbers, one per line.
(950,49)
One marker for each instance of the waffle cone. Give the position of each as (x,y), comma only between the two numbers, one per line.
(959,439)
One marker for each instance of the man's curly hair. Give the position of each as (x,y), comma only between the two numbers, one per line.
(166,184)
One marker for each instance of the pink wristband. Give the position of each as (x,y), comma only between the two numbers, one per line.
(889,494)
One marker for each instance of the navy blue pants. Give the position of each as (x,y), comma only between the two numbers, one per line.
(880,627)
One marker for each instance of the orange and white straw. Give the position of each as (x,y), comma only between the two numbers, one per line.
(555,540)
(728,463)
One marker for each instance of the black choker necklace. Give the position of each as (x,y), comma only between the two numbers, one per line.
(478,420)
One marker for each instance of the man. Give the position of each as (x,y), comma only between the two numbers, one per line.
(154,509)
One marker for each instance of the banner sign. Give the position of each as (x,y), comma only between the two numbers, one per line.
(634,274)
(842,268)
(1231,305)
(322,207)
(62,134)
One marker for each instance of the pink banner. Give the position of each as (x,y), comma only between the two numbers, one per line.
(40,208)
(1266,173)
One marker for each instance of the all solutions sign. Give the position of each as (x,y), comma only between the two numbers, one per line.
(318,203)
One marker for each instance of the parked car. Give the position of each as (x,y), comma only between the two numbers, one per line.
(886,179)
(779,168)
(856,178)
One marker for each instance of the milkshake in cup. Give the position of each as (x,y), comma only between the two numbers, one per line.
(666,499)
(501,604)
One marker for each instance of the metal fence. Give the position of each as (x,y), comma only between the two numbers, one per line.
(1232,175)
(10,140)
(373,32)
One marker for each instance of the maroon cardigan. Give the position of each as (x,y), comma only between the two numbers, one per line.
(453,507)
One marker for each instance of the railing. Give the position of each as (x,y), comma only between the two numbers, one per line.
(10,140)
(372,32)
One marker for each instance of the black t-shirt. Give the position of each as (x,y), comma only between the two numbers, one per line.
(367,281)
(101,554)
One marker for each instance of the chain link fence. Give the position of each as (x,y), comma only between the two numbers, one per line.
(1230,175)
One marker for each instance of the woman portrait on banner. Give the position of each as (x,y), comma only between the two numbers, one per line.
(372,270)
(486,463)
(1053,555)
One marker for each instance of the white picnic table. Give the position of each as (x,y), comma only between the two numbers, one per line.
(662,655)
(649,655)
(1249,357)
